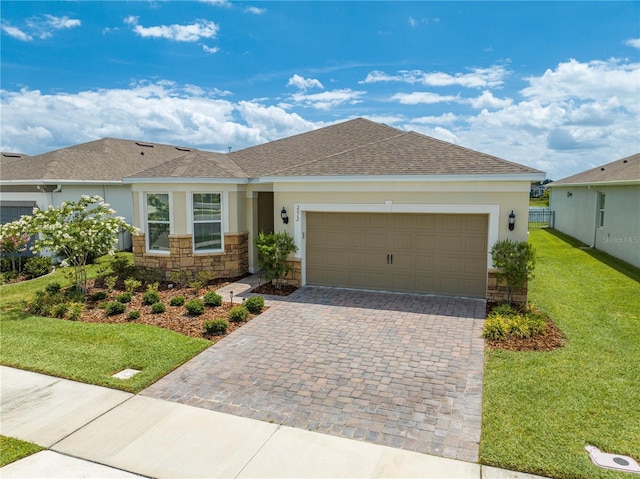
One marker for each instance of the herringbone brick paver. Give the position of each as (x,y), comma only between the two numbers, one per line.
(395,369)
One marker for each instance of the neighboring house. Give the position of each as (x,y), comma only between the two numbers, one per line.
(94,168)
(601,207)
(369,206)
(537,191)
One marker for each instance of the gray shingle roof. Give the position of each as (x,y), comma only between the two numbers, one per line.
(196,164)
(625,169)
(406,153)
(108,159)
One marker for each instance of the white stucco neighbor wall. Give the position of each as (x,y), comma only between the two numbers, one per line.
(118,197)
(576,214)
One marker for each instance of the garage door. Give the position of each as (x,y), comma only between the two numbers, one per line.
(423,253)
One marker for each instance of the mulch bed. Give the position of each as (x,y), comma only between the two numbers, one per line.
(552,339)
(176,318)
(270,289)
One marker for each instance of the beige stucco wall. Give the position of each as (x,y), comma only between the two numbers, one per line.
(577,216)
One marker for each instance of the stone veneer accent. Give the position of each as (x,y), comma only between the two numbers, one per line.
(497,292)
(233,262)
(295,275)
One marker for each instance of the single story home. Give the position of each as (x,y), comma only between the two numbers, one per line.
(601,207)
(93,168)
(369,206)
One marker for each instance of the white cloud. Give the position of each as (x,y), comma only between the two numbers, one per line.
(477,77)
(217,3)
(304,83)
(59,23)
(595,80)
(179,33)
(15,32)
(131,20)
(487,100)
(255,10)
(633,42)
(210,50)
(422,97)
(162,112)
(328,99)
(444,119)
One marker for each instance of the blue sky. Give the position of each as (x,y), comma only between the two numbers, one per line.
(554,85)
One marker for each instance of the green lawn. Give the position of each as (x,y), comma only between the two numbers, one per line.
(541,409)
(12,449)
(87,352)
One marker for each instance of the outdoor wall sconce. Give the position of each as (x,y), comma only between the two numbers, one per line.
(283,215)
(512,221)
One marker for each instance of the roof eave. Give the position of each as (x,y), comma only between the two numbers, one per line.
(177,180)
(595,183)
(60,182)
(529,177)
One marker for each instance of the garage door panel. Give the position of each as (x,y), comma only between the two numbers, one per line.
(432,253)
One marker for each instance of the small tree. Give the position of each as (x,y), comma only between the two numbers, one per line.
(515,262)
(75,231)
(13,243)
(273,250)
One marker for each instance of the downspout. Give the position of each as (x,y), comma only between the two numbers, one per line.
(58,189)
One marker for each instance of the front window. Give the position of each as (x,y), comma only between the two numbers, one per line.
(158,223)
(207,222)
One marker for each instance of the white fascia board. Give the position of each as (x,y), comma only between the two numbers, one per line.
(596,183)
(530,177)
(182,180)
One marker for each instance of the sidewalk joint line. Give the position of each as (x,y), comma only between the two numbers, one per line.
(258,451)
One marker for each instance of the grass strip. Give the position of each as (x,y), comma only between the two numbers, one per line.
(541,409)
(12,449)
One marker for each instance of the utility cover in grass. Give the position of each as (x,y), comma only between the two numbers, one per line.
(612,461)
(126,374)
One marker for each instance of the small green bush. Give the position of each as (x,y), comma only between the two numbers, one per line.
(212,299)
(122,265)
(181,278)
(53,288)
(75,311)
(238,314)
(124,297)
(254,304)
(59,310)
(115,307)
(148,275)
(133,315)
(495,328)
(98,296)
(131,284)
(151,297)
(195,307)
(37,266)
(110,282)
(216,326)
(177,301)
(157,308)
(505,322)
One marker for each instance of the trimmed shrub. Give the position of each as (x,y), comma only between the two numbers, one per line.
(110,282)
(124,297)
(98,296)
(181,278)
(75,311)
(114,307)
(505,322)
(59,310)
(216,326)
(238,314)
(148,275)
(37,266)
(133,315)
(177,301)
(254,304)
(131,284)
(195,307)
(53,288)
(212,299)
(157,308)
(122,265)
(151,297)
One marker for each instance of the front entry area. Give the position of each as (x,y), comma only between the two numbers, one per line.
(443,254)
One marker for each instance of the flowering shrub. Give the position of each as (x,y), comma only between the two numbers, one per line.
(75,230)
(12,243)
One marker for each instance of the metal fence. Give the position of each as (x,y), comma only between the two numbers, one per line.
(541,218)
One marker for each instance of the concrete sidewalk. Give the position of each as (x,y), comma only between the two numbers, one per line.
(92,431)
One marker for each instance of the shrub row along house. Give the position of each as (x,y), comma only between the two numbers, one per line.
(369,206)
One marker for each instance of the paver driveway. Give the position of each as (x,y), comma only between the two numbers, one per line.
(394,369)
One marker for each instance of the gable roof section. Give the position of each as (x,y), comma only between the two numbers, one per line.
(195,164)
(287,153)
(407,154)
(625,170)
(104,161)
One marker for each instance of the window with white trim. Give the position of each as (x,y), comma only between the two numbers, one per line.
(601,199)
(207,221)
(158,221)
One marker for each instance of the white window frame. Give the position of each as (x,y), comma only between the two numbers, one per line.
(192,221)
(602,199)
(146,221)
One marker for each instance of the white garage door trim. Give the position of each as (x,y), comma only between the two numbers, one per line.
(299,226)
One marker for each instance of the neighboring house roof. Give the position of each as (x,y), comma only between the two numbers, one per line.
(625,170)
(106,160)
